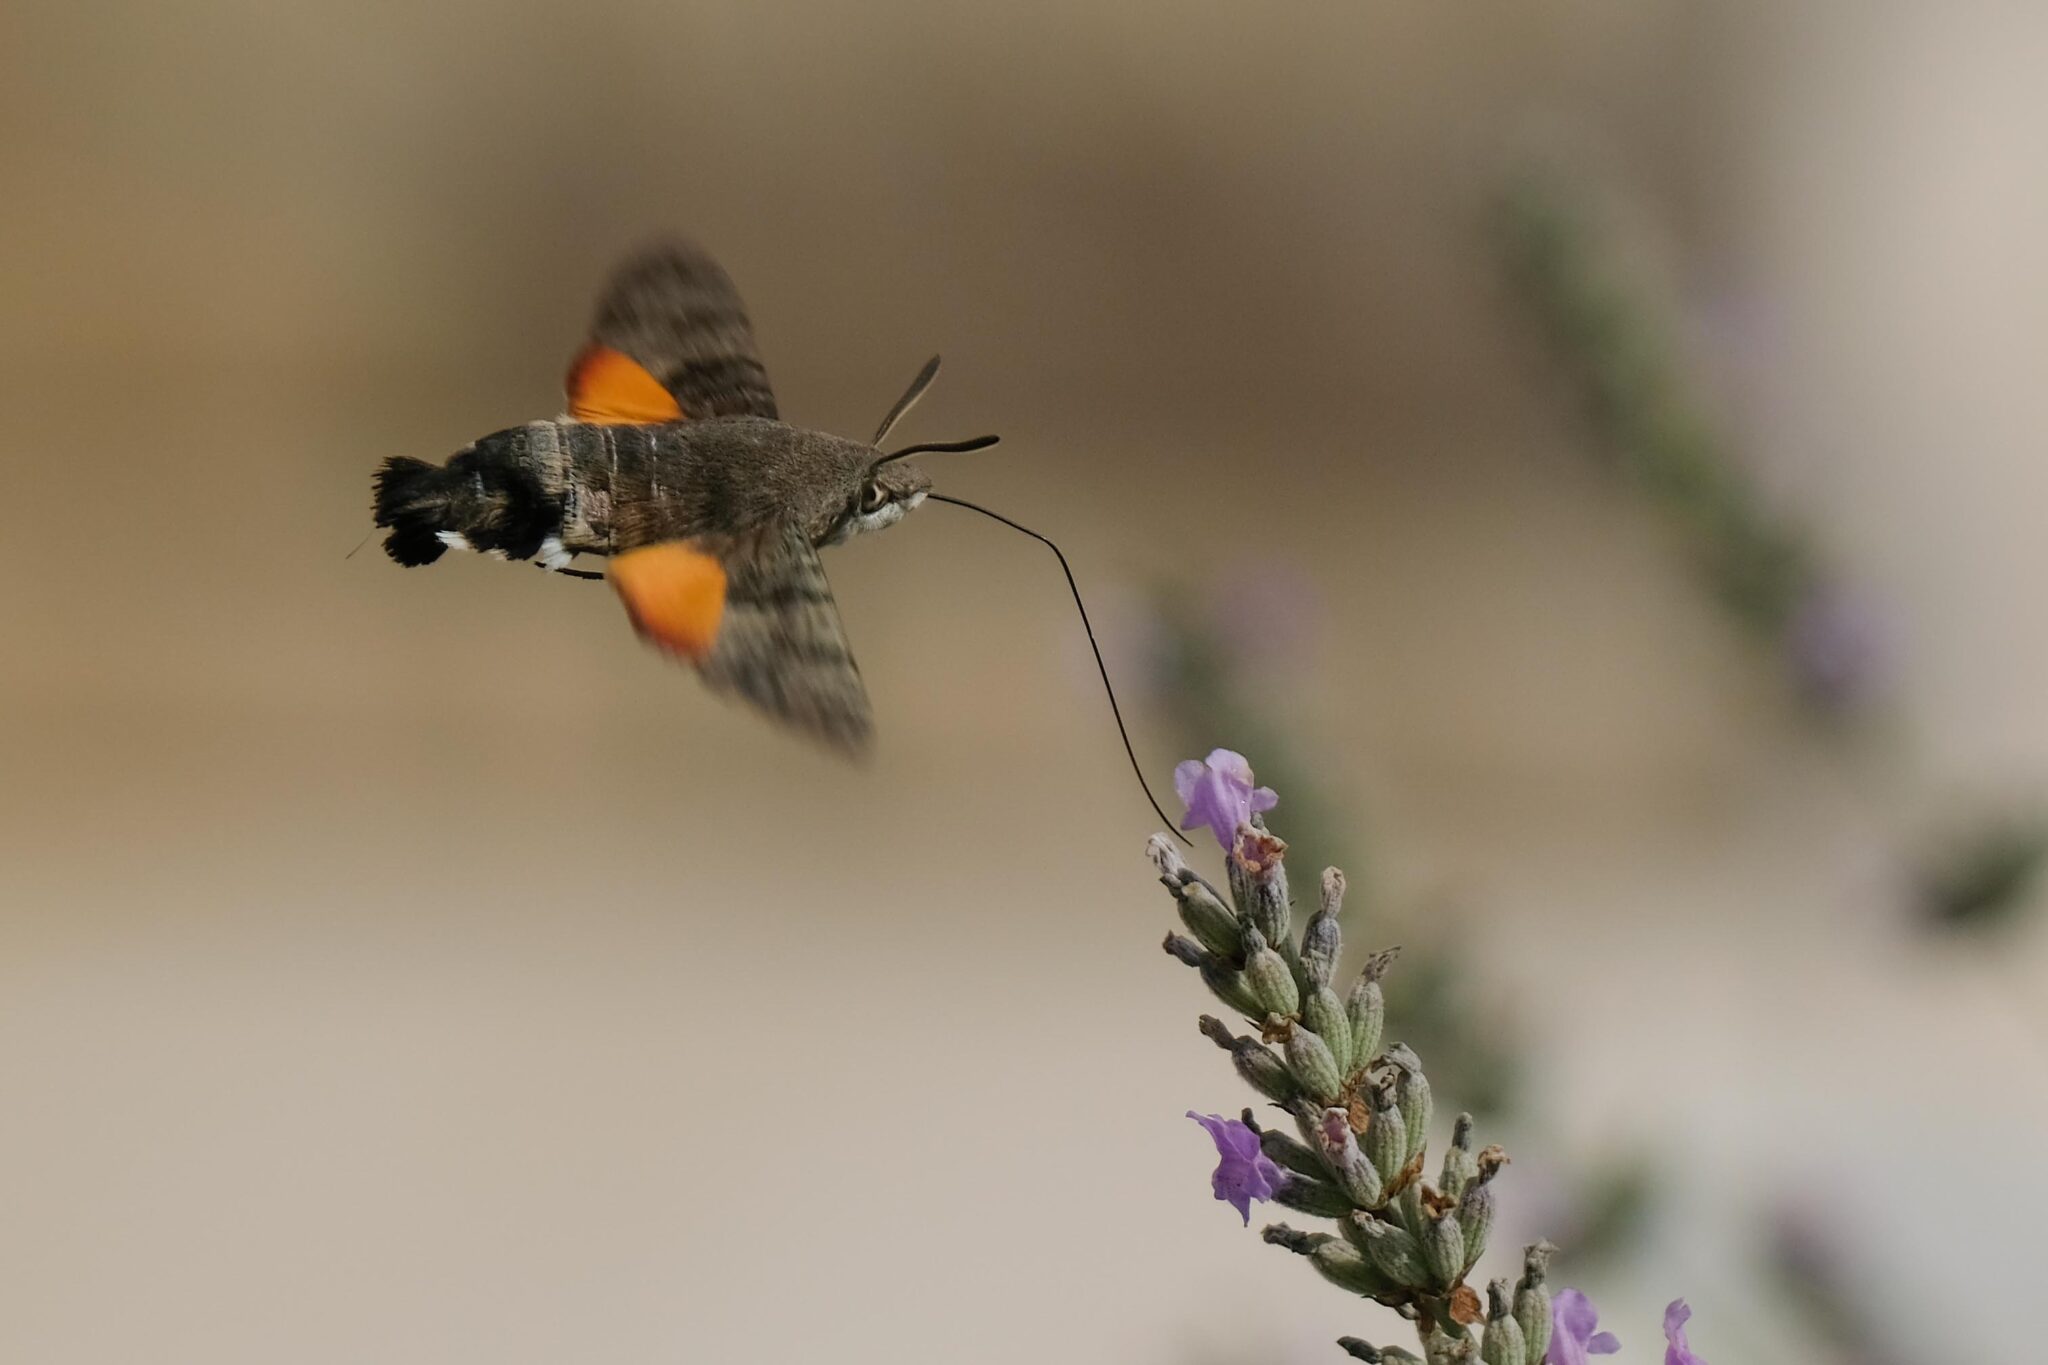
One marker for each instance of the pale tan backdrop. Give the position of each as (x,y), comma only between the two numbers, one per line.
(409,967)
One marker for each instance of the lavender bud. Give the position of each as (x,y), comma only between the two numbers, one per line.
(1229,985)
(1187,950)
(1210,920)
(1256,1064)
(1393,1250)
(1458,1164)
(1407,1207)
(1349,1268)
(1270,979)
(1503,1343)
(1264,1072)
(1532,1303)
(1296,1241)
(1308,1057)
(1386,1137)
(1321,1012)
(1414,1097)
(1285,1152)
(1366,1007)
(1443,1247)
(1355,1175)
(1333,893)
(1318,1197)
(1260,887)
(1375,1355)
(1475,1217)
(1316,971)
(1322,934)
(1165,855)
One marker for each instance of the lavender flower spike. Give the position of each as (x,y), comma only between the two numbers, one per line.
(1572,1336)
(1218,793)
(1678,1352)
(1245,1173)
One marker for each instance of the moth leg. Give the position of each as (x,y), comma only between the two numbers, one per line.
(572,573)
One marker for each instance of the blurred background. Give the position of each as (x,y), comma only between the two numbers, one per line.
(1480,415)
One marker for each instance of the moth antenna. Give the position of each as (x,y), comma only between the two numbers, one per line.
(1088,626)
(359,545)
(940,448)
(909,399)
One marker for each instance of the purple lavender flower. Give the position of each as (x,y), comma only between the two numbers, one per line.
(1678,1352)
(1245,1173)
(1572,1336)
(1838,648)
(1218,793)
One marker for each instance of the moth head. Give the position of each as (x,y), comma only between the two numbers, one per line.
(888,487)
(889,490)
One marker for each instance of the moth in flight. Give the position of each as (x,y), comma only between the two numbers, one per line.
(673,461)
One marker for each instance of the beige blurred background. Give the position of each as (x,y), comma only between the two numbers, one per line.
(409,967)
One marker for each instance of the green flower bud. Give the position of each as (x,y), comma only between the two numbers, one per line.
(1308,1057)
(1223,980)
(1393,1250)
(1443,1247)
(1355,1175)
(1342,1265)
(1532,1303)
(1331,906)
(1366,1007)
(1475,1217)
(1263,1071)
(1284,1152)
(1386,1138)
(1318,1197)
(1414,1097)
(1458,1164)
(1316,971)
(1349,1268)
(1321,1012)
(1322,935)
(1504,1343)
(1271,980)
(1229,985)
(1209,919)
(1408,1210)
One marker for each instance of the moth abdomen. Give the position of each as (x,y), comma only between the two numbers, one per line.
(488,498)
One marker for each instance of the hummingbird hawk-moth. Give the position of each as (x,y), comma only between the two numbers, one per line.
(673,462)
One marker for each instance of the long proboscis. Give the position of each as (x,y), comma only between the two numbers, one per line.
(1088,626)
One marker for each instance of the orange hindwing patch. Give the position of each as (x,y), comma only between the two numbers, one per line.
(611,387)
(675,594)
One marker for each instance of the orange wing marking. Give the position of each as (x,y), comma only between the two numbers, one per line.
(611,387)
(675,594)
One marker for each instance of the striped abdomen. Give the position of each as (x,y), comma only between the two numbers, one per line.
(549,490)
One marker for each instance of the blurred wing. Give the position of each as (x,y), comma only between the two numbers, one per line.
(781,646)
(757,618)
(669,315)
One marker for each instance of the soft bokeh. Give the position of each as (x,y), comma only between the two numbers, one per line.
(408,966)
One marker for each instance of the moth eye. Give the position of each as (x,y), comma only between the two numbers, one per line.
(872,500)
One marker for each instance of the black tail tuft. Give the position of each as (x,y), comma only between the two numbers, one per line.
(412,500)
